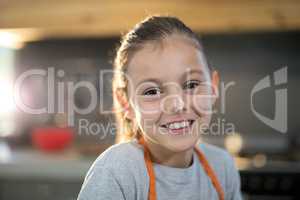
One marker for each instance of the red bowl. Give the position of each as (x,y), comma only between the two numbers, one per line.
(52,138)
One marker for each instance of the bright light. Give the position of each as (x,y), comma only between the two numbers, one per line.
(10,40)
(5,153)
(260,160)
(6,101)
(234,143)
(7,105)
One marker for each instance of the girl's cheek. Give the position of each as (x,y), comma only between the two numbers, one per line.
(149,114)
(148,108)
(202,124)
(203,104)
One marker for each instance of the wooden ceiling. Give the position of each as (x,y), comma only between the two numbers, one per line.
(35,20)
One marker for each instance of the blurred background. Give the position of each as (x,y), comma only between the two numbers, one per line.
(47,45)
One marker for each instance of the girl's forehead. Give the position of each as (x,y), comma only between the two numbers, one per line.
(172,59)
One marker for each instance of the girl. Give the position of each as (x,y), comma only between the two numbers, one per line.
(163,92)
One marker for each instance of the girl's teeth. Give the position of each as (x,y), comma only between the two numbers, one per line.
(178,125)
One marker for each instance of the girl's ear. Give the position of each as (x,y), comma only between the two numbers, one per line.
(126,108)
(215,85)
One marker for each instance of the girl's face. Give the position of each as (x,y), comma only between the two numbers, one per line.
(171,92)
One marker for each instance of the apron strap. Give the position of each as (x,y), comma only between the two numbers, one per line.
(152,187)
(210,173)
(207,168)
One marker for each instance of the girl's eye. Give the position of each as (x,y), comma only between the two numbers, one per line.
(191,84)
(152,92)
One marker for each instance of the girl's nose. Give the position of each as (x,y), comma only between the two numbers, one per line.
(173,104)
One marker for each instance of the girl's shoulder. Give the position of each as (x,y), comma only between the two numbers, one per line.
(119,155)
(215,153)
(120,152)
(115,174)
(130,153)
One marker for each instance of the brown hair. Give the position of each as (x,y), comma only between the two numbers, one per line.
(152,29)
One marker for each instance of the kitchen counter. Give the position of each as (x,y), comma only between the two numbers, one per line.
(33,164)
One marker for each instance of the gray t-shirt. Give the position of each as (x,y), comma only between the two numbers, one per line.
(120,173)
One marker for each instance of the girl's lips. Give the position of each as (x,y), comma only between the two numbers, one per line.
(191,121)
(179,131)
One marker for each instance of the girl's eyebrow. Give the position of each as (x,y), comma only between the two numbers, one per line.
(195,71)
(155,80)
(200,73)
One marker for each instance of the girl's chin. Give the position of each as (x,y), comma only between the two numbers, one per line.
(180,145)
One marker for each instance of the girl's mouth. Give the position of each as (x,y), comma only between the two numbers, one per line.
(179,127)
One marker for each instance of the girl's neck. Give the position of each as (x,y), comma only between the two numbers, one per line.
(163,156)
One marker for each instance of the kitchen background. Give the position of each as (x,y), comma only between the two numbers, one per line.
(41,157)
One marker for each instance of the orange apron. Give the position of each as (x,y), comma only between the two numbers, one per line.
(209,171)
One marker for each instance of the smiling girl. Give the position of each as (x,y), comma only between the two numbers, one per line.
(163,93)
